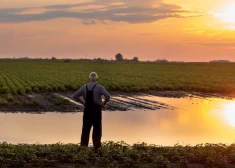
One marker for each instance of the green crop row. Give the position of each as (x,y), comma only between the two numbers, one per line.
(26,76)
(117,155)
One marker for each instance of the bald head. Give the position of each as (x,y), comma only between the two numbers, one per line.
(93,77)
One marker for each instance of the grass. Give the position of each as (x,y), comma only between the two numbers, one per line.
(25,76)
(116,155)
(61,101)
(9,97)
(3,102)
(9,100)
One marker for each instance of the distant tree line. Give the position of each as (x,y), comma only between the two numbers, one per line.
(220,61)
(119,57)
(162,60)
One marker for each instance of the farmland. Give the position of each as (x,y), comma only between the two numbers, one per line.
(116,155)
(40,76)
(31,85)
(37,84)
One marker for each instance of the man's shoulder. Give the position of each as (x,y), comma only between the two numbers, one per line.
(83,87)
(100,86)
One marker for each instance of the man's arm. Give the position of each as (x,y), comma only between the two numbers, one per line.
(81,101)
(76,96)
(106,95)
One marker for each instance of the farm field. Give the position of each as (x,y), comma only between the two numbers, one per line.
(26,76)
(117,155)
(20,80)
(166,84)
(29,84)
(47,85)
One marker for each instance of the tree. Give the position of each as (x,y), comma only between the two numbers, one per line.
(135,59)
(67,60)
(119,57)
(53,58)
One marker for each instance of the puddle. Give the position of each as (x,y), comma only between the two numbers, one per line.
(162,120)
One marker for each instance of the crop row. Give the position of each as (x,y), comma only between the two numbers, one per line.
(116,155)
(25,76)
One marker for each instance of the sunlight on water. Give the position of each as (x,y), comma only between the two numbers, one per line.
(229,112)
(194,120)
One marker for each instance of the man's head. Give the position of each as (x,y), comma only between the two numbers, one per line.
(93,77)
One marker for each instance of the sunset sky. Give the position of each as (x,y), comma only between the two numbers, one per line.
(176,30)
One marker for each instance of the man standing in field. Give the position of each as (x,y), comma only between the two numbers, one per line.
(93,106)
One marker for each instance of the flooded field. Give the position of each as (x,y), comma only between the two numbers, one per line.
(158,119)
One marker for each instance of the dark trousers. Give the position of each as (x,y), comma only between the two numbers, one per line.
(92,117)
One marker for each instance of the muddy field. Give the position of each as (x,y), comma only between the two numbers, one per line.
(121,101)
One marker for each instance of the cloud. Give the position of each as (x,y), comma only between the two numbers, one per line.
(136,11)
(64,6)
(89,22)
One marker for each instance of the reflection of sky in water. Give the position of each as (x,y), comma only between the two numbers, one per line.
(194,120)
(229,113)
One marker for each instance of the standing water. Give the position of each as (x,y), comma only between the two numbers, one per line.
(192,120)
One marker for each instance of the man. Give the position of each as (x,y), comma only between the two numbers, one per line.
(93,106)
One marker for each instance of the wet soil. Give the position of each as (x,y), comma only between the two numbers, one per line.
(120,101)
(143,165)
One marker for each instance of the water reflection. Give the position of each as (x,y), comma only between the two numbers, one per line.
(229,112)
(194,121)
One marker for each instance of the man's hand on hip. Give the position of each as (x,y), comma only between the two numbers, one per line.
(102,107)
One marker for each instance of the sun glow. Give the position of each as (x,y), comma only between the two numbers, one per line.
(228,15)
(229,112)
